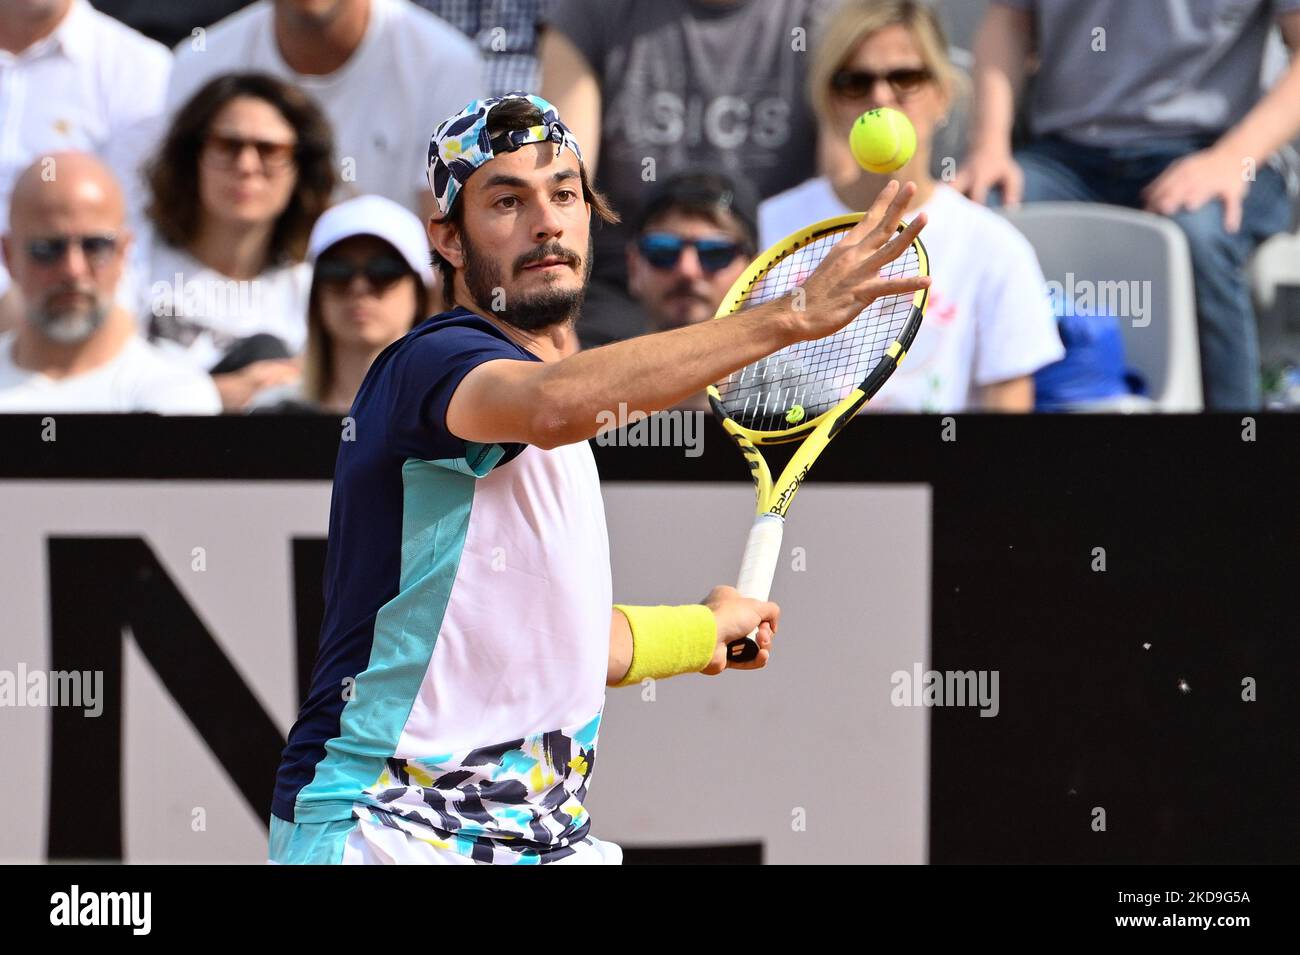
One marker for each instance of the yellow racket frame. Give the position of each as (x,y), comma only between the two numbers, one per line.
(774,497)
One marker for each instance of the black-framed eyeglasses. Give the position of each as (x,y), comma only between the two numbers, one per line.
(223,152)
(50,250)
(858,84)
(380,272)
(664,249)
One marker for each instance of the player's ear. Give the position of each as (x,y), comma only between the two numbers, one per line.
(444,238)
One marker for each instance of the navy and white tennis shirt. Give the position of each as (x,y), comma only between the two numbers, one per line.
(460,679)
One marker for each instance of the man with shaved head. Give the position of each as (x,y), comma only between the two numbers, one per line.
(75,349)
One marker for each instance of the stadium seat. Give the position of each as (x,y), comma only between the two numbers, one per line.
(1275,274)
(1096,244)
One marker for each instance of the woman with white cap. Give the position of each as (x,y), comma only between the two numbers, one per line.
(369,287)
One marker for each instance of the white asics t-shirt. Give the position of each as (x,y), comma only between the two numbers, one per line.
(138,379)
(988,319)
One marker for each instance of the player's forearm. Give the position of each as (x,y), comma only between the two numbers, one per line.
(647,374)
(1002,49)
(1274,121)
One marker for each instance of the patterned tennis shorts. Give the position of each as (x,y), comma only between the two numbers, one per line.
(372,838)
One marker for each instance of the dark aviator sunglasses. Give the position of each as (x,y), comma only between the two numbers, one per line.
(664,249)
(50,250)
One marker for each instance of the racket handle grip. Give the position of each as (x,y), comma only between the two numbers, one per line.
(762,551)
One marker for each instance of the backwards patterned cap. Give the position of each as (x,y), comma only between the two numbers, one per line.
(460,144)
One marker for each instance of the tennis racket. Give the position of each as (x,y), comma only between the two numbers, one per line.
(807,391)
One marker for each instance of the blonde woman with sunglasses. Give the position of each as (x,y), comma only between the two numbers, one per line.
(989,325)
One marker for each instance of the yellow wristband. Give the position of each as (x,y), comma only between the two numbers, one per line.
(669,640)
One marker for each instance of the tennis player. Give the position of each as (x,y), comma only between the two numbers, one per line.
(468,635)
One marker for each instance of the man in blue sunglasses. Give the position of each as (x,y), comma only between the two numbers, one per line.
(694,236)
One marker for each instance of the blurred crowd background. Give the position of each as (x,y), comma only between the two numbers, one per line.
(215,206)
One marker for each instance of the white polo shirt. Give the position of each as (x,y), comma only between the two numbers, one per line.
(93,85)
(411,71)
(138,378)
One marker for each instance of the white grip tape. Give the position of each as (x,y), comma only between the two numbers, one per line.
(762,551)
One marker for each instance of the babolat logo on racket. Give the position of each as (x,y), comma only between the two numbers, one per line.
(788,493)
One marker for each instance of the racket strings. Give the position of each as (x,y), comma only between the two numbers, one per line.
(807,379)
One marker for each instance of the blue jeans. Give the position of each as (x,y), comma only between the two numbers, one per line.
(1060,171)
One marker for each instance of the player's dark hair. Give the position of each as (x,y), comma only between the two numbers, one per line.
(510,115)
(173,173)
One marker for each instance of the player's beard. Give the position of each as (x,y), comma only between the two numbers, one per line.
(68,326)
(528,313)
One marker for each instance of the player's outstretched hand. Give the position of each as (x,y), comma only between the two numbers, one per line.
(736,617)
(848,278)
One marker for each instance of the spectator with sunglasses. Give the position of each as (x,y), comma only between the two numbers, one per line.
(243,174)
(369,288)
(384,72)
(76,349)
(989,324)
(693,237)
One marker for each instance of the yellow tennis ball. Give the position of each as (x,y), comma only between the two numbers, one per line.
(882,140)
(795,414)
